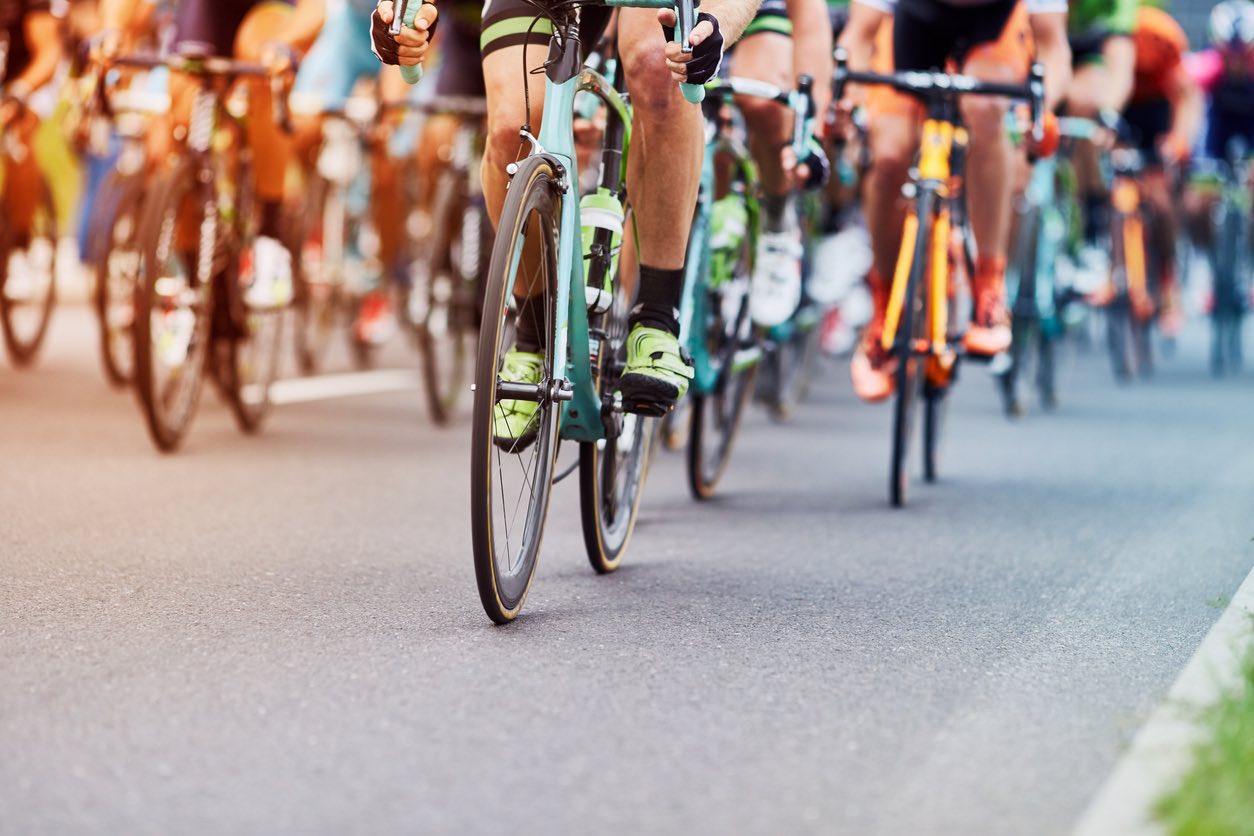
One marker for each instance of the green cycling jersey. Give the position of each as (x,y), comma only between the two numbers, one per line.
(1115,17)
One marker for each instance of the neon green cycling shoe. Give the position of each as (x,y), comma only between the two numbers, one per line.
(515,423)
(657,374)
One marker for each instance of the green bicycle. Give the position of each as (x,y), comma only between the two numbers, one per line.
(546,243)
(726,349)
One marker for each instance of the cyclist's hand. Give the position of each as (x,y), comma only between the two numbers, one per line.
(409,48)
(1174,149)
(1047,145)
(700,65)
(811,171)
(105,46)
(838,121)
(278,58)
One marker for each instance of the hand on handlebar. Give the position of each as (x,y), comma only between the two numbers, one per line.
(278,57)
(409,48)
(703,62)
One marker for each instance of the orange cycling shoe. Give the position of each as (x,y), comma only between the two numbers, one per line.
(989,333)
(872,367)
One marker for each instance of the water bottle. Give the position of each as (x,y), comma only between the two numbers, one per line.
(601,210)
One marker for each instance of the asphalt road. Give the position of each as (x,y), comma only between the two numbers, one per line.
(281,634)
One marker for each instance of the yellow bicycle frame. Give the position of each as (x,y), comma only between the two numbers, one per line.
(937,145)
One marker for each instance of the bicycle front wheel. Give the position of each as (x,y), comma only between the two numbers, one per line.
(451,301)
(28,287)
(115,275)
(909,374)
(172,306)
(511,479)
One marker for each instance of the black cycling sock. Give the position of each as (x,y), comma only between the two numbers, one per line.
(777,212)
(657,302)
(271,219)
(1095,216)
(530,327)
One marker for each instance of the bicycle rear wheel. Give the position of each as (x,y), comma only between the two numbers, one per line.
(28,287)
(612,471)
(116,273)
(511,483)
(173,305)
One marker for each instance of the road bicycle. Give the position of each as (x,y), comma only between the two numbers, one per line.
(715,325)
(921,329)
(1044,218)
(1230,261)
(583,302)
(1130,312)
(448,237)
(199,224)
(28,263)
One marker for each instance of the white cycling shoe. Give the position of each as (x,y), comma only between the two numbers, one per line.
(840,263)
(776,292)
(272,275)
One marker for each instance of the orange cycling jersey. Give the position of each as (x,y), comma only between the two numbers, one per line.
(1160,48)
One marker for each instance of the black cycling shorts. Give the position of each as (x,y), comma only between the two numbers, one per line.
(461,66)
(211,25)
(1088,47)
(517,22)
(1149,121)
(927,33)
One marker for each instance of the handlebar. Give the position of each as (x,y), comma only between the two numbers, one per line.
(934,85)
(202,65)
(800,101)
(405,12)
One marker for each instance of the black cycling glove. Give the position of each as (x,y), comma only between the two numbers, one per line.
(383,44)
(707,56)
(815,159)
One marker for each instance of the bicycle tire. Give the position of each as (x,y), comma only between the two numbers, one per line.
(612,471)
(791,366)
(116,275)
(710,445)
(532,212)
(168,427)
(935,409)
(908,374)
(318,312)
(23,339)
(446,331)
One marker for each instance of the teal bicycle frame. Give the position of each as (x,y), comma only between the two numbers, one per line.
(565,78)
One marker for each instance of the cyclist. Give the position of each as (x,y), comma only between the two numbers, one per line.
(267,31)
(992,41)
(785,40)
(1164,115)
(30,50)
(1103,57)
(665,169)
(1225,73)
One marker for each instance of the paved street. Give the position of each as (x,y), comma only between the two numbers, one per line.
(281,634)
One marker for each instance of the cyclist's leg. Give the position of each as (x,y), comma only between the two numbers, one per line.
(991,174)
(892,136)
(664,168)
(31,62)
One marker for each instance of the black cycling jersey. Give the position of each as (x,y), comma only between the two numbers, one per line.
(211,25)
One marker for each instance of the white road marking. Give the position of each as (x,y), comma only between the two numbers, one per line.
(1161,751)
(347,385)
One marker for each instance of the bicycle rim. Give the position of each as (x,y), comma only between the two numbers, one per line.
(115,280)
(510,487)
(612,471)
(451,272)
(172,313)
(909,372)
(28,290)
